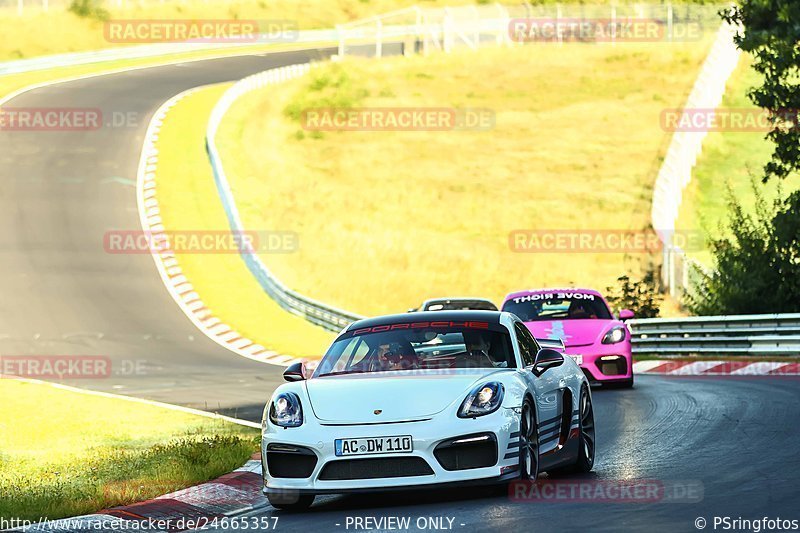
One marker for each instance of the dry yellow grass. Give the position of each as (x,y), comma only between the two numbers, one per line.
(387,219)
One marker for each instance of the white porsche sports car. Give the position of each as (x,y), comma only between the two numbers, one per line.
(424,400)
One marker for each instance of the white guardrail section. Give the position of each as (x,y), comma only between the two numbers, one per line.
(718,335)
(154,50)
(681,157)
(318,313)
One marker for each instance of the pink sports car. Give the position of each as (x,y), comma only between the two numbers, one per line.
(599,342)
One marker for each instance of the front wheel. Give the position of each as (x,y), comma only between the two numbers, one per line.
(528,442)
(290,501)
(586,442)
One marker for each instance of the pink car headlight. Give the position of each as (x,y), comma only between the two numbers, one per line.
(615,335)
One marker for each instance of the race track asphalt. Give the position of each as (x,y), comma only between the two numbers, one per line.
(731,443)
(62,294)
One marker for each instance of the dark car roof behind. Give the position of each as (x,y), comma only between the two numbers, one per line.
(455,316)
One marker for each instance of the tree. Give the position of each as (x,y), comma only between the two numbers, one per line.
(757,265)
(772,34)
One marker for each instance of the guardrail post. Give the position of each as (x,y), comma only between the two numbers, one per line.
(558,25)
(504,37)
(340,34)
(378,38)
(447,31)
(476,34)
(418,29)
(669,21)
(613,25)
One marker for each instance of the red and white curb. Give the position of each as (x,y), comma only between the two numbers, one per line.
(717,368)
(179,287)
(191,508)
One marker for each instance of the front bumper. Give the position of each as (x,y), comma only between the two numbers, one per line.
(325,473)
(606,363)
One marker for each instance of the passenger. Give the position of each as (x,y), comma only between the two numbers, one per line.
(477,351)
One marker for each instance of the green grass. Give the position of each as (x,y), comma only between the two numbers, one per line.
(387,219)
(189,201)
(732,159)
(64,453)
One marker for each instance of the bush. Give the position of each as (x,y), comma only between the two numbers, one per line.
(642,297)
(757,265)
(89,9)
(330,87)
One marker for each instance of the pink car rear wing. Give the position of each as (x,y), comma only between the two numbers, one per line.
(556,344)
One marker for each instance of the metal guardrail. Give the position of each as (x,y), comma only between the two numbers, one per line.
(777,334)
(323,315)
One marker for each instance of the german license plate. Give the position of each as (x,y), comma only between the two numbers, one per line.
(373,445)
(577,358)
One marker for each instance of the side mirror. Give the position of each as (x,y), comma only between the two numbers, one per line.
(295,372)
(626,314)
(547,358)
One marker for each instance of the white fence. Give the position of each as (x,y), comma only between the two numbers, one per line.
(681,157)
(443,29)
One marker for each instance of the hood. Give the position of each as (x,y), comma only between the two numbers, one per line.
(353,399)
(574,332)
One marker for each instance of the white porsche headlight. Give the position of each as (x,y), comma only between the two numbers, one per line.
(286,410)
(482,400)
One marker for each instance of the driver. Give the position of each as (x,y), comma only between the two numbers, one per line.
(579,309)
(396,356)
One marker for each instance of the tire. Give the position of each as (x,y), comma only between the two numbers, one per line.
(290,501)
(586,434)
(528,442)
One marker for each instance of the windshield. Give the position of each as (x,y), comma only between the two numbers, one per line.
(558,306)
(419,346)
